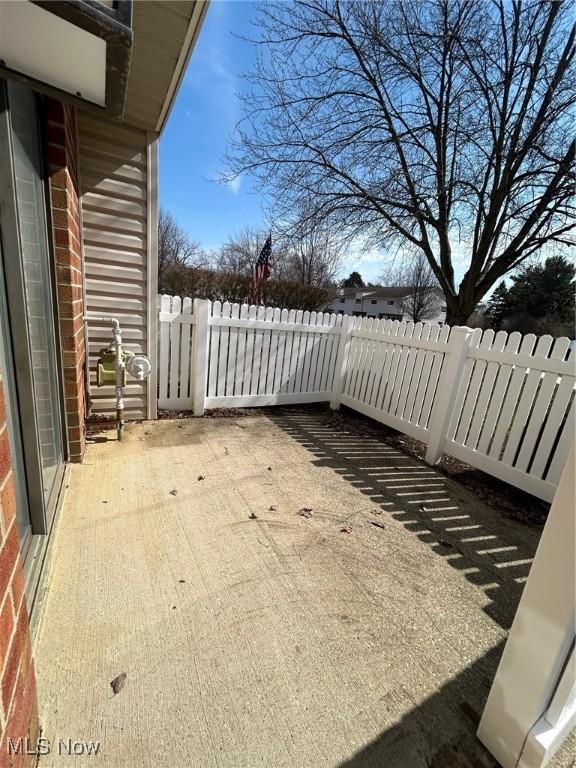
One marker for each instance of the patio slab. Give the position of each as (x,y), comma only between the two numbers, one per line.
(365,634)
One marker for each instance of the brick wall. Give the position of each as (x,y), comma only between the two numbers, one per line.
(63,170)
(18,712)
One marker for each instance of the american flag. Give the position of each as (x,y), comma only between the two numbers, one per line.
(262,270)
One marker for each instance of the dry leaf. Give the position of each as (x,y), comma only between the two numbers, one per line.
(118,683)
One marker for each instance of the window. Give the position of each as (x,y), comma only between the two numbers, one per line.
(390,303)
(342,300)
(373,301)
(358,301)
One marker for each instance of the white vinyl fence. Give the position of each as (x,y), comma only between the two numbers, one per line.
(502,403)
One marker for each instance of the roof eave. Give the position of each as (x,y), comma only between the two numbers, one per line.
(196,21)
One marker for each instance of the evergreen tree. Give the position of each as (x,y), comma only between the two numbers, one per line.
(498,306)
(540,300)
(354,280)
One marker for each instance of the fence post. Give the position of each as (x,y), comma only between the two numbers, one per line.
(448,385)
(200,356)
(341,360)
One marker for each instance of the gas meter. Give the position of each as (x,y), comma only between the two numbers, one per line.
(112,366)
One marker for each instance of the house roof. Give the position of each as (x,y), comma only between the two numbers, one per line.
(165,32)
(374,292)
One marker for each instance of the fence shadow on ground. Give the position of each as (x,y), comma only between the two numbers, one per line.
(475,539)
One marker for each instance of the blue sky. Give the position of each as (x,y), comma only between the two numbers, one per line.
(194,141)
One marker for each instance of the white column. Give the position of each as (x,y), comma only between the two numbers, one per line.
(342,361)
(524,721)
(447,388)
(200,356)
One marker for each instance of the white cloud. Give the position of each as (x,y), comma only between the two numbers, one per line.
(235,184)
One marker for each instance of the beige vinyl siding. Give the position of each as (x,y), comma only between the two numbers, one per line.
(113,178)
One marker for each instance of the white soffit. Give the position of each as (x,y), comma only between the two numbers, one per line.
(41,45)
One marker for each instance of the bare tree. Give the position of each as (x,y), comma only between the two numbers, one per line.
(311,254)
(423,294)
(176,251)
(239,253)
(436,124)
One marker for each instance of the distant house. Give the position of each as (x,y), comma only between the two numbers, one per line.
(378,301)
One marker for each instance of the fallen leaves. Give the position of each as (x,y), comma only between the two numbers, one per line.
(377,524)
(118,683)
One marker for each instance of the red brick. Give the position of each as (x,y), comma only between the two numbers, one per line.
(62,156)
(8,496)
(18,587)
(59,199)
(5,456)
(6,627)
(60,218)
(59,179)
(8,557)
(14,658)
(22,721)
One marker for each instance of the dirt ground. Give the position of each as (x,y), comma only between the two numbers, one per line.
(278,590)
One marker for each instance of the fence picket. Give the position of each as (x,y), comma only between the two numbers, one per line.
(185,350)
(163,358)
(525,403)
(416,374)
(503,377)
(471,395)
(548,383)
(232,349)
(288,344)
(281,345)
(214,351)
(174,349)
(223,355)
(564,395)
(240,353)
(510,400)
(485,393)
(249,361)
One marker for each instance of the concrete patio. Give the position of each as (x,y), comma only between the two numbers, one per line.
(366,634)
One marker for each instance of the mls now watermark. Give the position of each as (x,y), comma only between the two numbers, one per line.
(43,746)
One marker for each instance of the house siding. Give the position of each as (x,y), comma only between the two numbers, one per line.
(114,201)
(62,159)
(18,703)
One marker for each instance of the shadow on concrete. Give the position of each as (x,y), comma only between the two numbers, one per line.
(493,552)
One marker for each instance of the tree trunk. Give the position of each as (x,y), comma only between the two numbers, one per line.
(459,314)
